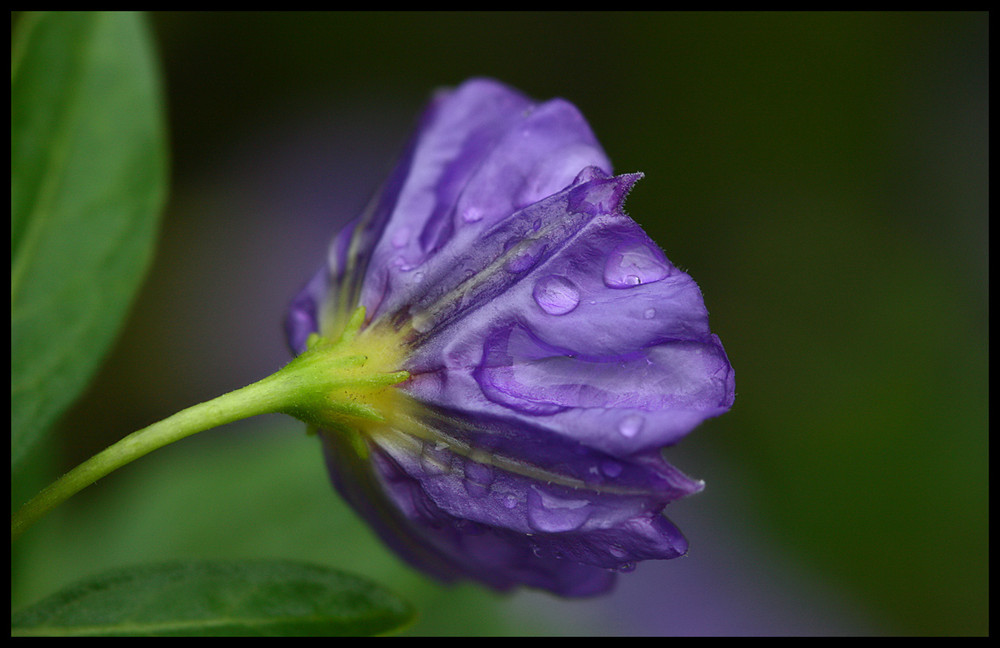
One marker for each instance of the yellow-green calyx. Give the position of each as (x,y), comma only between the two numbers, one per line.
(347,379)
(341,384)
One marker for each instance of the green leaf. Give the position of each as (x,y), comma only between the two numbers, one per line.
(217,598)
(88,180)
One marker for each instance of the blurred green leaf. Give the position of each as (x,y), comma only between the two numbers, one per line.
(88,180)
(218,598)
(196,500)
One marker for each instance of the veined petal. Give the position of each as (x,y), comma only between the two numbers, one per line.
(464,277)
(552,349)
(480,153)
(513,504)
(447,547)
(600,338)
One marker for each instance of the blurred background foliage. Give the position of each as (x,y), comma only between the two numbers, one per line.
(823,176)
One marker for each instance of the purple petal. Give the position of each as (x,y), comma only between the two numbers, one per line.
(481,152)
(599,338)
(457,516)
(553,350)
(303,314)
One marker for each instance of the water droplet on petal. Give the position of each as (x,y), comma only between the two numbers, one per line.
(478,478)
(634,263)
(509,500)
(556,295)
(401,264)
(434,461)
(522,254)
(625,567)
(610,468)
(630,426)
(422,321)
(472,214)
(650,313)
(401,237)
(617,551)
(550,514)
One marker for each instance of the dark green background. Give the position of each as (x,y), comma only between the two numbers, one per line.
(822,176)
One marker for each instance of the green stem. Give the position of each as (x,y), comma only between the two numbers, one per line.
(257,398)
(310,388)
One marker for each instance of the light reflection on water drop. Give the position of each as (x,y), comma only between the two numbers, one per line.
(556,295)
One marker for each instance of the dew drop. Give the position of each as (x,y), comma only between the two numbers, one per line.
(617,551)
(556,295)
(630,426)
(422,322)
(610,468)
(523,255)
(509,501)
(401,237)
(401,264)
(472,214)
(650,313)
(549,514)
(478,472)
(634,263)
(433,460)
(478,478)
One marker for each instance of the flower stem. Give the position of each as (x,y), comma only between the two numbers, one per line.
(328,384)
(257,398)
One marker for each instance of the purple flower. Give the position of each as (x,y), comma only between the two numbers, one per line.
(552,350)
